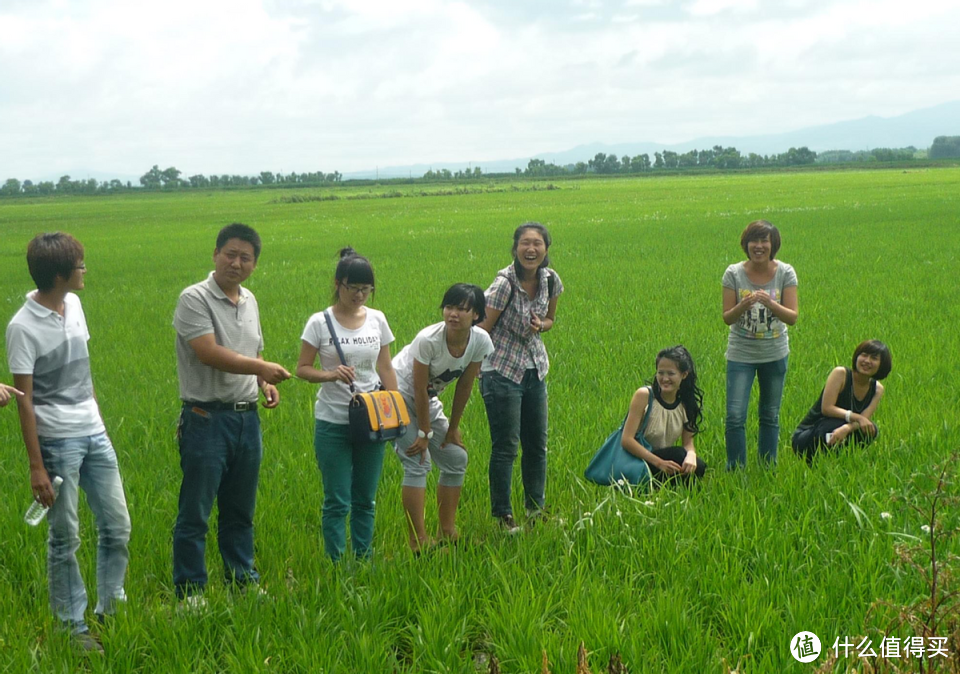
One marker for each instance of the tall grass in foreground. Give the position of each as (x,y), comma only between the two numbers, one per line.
(676,581)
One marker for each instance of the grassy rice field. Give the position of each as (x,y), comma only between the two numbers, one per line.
(675,581)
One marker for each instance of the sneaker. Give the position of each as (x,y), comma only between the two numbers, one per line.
(508,524)
(87,643)
(535,517)
(254,590)
(195,603)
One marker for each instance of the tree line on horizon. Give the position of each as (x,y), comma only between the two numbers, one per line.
(717,158)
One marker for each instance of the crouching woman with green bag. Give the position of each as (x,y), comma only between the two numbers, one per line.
(661,414)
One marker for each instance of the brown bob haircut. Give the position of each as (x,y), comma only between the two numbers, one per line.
(759,230)
(877,348)
(52,255)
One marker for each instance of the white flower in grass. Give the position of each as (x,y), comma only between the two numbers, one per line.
(885,516)
(649,503)
(619,514)
(925,528)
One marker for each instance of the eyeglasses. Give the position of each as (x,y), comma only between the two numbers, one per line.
(362,290)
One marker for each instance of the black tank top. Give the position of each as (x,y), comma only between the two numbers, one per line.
(845,401)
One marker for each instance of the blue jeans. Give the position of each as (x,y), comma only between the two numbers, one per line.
(220,453)
(350,476)
(87,463)
(517,414)
(739,382)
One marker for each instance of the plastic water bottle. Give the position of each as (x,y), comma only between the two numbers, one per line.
(37,511)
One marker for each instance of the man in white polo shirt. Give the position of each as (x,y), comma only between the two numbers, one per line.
(219,364)
(64,432)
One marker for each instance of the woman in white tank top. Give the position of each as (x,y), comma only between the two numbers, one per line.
(675,413)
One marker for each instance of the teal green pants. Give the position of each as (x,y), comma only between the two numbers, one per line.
(350,476)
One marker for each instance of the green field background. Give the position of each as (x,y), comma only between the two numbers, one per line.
(676,581)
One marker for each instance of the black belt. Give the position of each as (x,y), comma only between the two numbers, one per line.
(217,406)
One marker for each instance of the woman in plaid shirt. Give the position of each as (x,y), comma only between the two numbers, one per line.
(521,305)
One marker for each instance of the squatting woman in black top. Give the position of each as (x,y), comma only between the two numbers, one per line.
(847,403)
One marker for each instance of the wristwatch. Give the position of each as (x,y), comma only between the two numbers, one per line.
(421,434)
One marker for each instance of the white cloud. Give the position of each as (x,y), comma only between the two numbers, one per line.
(247,85)
(711,7)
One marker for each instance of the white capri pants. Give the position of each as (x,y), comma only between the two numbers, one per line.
(450,459)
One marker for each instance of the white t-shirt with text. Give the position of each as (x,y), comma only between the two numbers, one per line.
(360,348)
(429,347)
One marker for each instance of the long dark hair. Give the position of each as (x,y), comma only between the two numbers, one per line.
(517,233)
(690,395)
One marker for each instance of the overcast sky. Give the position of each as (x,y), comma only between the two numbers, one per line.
(240,86)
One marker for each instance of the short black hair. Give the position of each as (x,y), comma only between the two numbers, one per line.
(466,296)
(52,255)
(759,230)
(237,230)
(875,347)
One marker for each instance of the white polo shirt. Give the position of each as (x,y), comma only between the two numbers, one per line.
(53,348)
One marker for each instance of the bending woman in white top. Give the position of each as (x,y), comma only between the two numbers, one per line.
(674,415)
(350,472)
(441,353)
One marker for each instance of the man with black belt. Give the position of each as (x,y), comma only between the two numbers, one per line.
(220,367)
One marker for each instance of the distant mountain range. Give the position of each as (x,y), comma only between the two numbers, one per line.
(917,128)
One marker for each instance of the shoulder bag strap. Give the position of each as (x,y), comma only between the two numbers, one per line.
(646,416)
(336,340)
(509,299)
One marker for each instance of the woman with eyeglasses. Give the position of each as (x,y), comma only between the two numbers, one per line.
(350,472)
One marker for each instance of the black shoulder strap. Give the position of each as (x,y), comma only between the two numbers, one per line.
(509,299)
(336,340)
(551,284)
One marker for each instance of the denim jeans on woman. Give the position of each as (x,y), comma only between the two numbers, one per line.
(87,463)
(350,475)
(517,414)
(740,378)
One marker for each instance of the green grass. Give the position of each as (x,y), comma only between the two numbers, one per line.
(675,581)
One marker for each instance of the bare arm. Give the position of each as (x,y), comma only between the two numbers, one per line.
(307,371)
(39,479)
(221,358)
(421,400)
(638,410)
(388,376)
(690,460)
(271,395)
(460,397)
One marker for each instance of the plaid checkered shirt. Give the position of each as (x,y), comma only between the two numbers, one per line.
(513,342)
